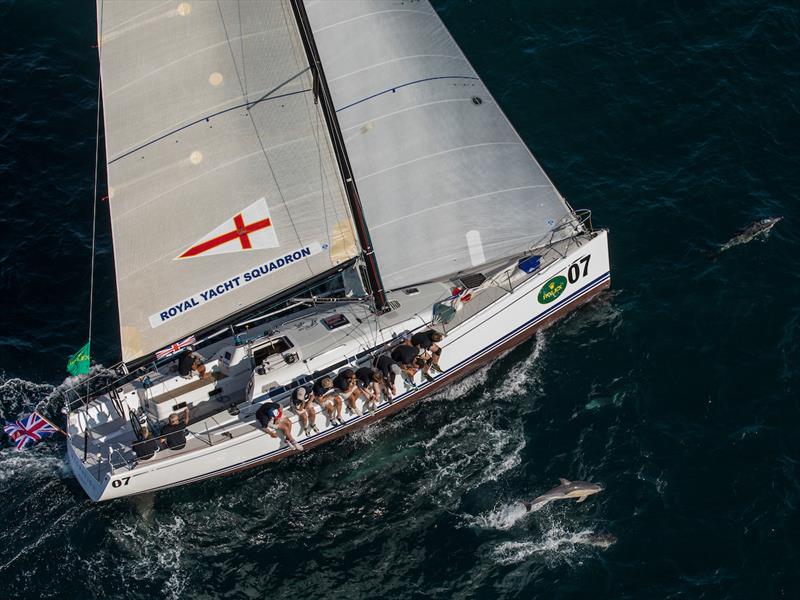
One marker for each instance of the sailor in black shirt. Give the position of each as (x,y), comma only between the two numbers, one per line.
(271,417)
(345,384)
(408,356)
(364,376)
(370,380)
(146,448)
(422,339)
(426,341)
(390,370)
(173,434)
(326,397)
(191,361)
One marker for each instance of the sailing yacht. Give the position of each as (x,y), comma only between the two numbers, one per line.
(295,188)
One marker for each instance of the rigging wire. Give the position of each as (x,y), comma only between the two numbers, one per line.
(94,210)
(96,171)
(256,129)
(94,216)
(94,187)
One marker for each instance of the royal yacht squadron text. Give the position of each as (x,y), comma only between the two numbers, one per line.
(229,285)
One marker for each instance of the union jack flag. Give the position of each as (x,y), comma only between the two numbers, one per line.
(176,347)
(29,430)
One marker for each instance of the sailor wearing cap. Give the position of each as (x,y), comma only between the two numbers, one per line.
(303,407)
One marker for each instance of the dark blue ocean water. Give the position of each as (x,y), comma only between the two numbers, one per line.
(677,123)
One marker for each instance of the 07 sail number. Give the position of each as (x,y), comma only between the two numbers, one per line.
(574,271)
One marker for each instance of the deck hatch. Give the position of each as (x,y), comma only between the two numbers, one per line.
(335,321)
(271,348)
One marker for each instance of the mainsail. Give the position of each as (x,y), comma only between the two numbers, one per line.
(223,186)
(445,181)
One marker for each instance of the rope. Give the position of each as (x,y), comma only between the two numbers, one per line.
(94,217)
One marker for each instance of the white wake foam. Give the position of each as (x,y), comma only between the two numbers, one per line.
(461,388)
(502,516)
(556,546)
(468,453)
(524,375)
(17,395)
(485,443)
(31,463)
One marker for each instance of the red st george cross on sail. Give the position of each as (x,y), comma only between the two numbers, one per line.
(252,230)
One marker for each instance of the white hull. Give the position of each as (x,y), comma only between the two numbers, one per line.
(503,324)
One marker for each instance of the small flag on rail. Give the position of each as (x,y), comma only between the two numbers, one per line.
(176,347)
(78,363)
(29,430)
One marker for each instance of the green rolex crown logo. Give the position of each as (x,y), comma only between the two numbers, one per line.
(552,289)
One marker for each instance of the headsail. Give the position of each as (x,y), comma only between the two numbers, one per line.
(223,186)
(445,180)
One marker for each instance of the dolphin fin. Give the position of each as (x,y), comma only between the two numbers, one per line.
(581,499)
(564,481)
(528,506)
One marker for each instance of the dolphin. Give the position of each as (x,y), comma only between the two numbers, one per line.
(568,489)
(756,229)
(599,540)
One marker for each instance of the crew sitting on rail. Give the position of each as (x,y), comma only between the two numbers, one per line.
(303,407)
(147,446)
(272,419)
(326,397)
(407,356)
(173,434)
(370,380)
(427,342)
(191,361)
(390,370)
(345,384)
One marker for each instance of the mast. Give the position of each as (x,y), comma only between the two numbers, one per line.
(322,92)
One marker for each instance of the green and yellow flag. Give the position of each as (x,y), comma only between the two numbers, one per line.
(78,363)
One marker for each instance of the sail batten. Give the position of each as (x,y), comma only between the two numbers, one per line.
(223,185)
(445,181)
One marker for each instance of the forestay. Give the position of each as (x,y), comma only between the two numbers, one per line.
(223,186)
(445,180)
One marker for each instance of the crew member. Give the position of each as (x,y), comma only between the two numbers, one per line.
(173,434)
(390,370)
(191,361)
(147,446)
(370,380)
(407,356)
(303,407)
(326,397)
(427,342)
(345,384)
(272,419)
